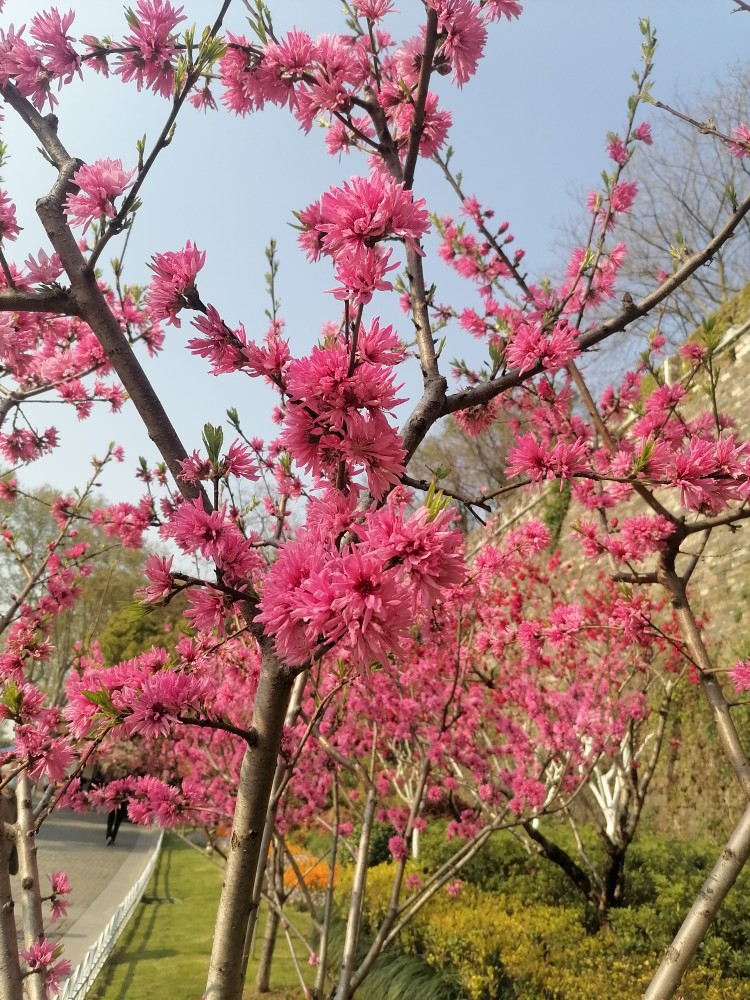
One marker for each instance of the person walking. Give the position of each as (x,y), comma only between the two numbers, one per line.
(114,817)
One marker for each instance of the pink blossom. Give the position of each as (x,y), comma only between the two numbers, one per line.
(296,597)
(239,462)
(398,848)
(427,551)
(44,270)
(39,958)
(340,138)
(155,46)
(740,146)
(454,888)
(380,345)
(365,210)
(50,30)
(223,347)
(529,457)
(531,347)
(740,676)
(623,195)
(703,486)
(100,183)
(339,69)
(195,529)
(208,609)
(643,133)
(9,228)
(437,124)
(22,445)
(361,272)
(202,99)
(125,521)
(173,286)
(475,420)
(693,352)
(473,324)
(372,443)
(161,698)
(464,35)
(373,10)
(60,887)
(49,757)
(23,63)
(497,9)
(373,610)
(158,570)
(271,361)
(243,91)
(616,149)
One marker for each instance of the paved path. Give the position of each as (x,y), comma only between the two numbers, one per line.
(100,876)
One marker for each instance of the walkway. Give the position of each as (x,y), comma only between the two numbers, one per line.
(100,876)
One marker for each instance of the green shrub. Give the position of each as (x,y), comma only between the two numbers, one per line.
(394,975)
(518,928)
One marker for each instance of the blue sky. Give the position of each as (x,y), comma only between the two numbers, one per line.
(528,129)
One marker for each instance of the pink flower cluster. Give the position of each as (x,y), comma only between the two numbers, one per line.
(740,146)
(41,957)
(361,601)
(173,286)
(349,224)
(34,67)
(335,417)
(151,48)
(532,345)
(99,185)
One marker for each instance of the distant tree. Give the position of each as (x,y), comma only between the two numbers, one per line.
(104,609)
(468,464)
(685,190)
(129,631)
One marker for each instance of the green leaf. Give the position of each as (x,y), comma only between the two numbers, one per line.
(12,698)
(496,353)
(102,701)
(213,439)
(435,501)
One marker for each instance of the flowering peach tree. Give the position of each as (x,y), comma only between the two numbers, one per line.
(342,558)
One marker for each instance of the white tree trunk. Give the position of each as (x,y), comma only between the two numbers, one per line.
(31,893)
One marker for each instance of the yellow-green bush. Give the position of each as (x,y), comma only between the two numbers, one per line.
(498,946)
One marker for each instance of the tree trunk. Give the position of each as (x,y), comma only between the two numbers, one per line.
(10,967)
(225,979)
(356,902)
(31,894)
(263,977)
(292,712)
(613,883)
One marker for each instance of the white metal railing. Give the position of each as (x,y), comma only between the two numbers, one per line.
(82,978)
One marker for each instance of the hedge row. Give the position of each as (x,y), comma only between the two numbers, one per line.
(516,930)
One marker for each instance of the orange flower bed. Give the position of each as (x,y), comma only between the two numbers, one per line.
(314,870)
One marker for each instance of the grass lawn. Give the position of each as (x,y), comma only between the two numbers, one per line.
(163,954)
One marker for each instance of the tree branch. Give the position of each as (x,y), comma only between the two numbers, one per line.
(90,302)
(53,300)
(417,123)
(629,313)
(713,893)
